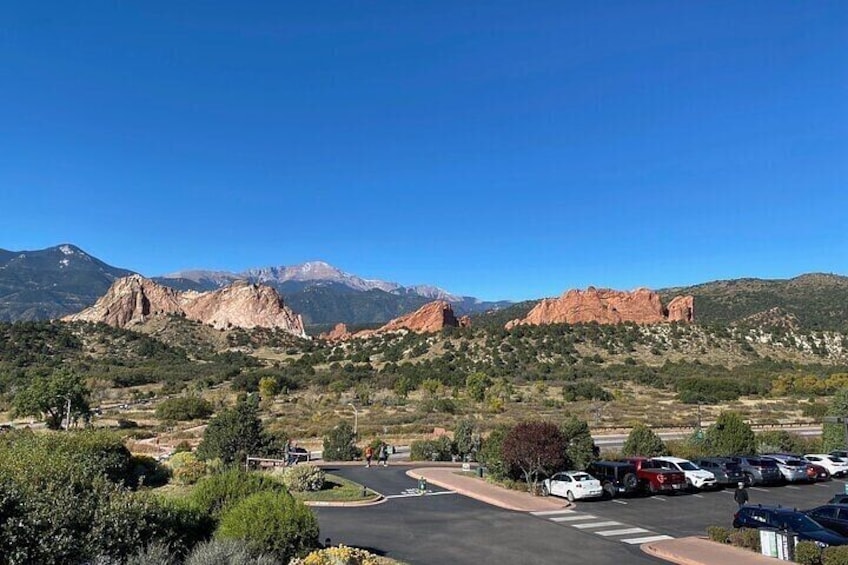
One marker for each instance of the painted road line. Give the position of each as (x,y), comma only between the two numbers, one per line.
(759,489)
(551,512)
(822,486)
(596,525)
(623,532)
(659,498)
(619,502)
(648,539)
(417,494)
(575,518)
(726,491)
(698,495)
(792,487)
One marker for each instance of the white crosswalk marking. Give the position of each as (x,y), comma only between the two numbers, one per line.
(648,539)
(597,525)
(552,512)
(574,518)
(623,532)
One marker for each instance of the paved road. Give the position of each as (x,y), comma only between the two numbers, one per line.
(690,514)
(442,527)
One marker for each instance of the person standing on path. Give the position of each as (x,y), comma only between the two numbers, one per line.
(741,495)
(383,456)
(369,454)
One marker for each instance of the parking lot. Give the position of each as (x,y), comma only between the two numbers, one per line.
(690,514)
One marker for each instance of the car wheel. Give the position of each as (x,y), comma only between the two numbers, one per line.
(689,485)
(609,490)
(570,496)
(749,480)
(630,481)
(544,490)
(652,488)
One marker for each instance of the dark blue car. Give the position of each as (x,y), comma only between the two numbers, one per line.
(779,518)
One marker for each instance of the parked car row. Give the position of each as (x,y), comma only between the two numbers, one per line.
(645,475)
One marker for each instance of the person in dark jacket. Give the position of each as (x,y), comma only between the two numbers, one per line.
(741,495)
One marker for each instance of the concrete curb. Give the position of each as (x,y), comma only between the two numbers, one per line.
(416,473)
(326,504)
(695,550)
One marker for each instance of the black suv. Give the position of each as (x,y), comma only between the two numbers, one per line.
(786,519)
(831,516)
(617,477)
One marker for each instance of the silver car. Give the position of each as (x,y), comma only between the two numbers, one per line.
(794,470)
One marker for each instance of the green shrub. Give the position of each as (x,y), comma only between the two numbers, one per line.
(807,553)
(146,471)
(215,493)
(491,453)
(340,444)
(719,534)
(836,555)
(227,552)
(303,478)
(746,538)
(271,522)
(643,441)
(184,408)
(76,457)
(187,468)
(431,449)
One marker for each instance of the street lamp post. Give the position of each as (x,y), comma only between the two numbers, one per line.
(355,417)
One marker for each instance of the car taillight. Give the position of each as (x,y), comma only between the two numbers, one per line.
(661,478)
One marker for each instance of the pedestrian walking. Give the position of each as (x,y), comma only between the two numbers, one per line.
(287,452)
(383,456)
(741,495)
(369,454)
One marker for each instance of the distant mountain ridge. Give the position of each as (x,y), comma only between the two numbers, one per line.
(50,283)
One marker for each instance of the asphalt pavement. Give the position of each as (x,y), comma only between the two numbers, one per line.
(683,514)
(444,527)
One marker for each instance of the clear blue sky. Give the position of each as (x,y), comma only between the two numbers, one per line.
(496,149)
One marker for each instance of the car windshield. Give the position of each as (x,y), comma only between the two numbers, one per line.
(766,463)
(795,463)
(687,466)
(731,466)
(799,523)
(582,477)
(836,459)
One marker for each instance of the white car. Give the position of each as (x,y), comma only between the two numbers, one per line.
(836,466)
(695,476)
(573,485)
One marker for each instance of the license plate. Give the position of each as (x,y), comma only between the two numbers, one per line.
(676,486)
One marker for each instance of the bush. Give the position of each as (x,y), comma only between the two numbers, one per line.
(730,434)
(719,534)
(184,408)
(643,441)
(303,478)
(215,493)
(836,555)
(271,522)
(491,453)
(339,555)
(340,444)
(227,552)
(807,553)
(146,471)
(746,538)
(236,433)
(439,449)
(186,467)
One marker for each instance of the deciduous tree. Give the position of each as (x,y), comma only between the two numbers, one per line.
(536,449)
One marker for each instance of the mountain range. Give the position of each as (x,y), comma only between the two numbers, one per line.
(62,280)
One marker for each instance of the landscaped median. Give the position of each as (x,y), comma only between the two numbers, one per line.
(701,551)
(474,487)
(338,491)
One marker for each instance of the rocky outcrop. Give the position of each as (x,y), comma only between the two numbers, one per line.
(681,309)
(338,333)
(606,306)
(134,299)
(432,317)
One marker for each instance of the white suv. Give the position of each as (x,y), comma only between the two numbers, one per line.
(695,476)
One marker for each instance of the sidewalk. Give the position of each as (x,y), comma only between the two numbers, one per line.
(479,489)
(701,551)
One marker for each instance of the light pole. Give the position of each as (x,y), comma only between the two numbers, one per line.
(355,417)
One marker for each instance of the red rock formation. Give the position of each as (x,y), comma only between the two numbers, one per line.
(132,300)
(607,306)
(338,333)
(681,309)
(431,317)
